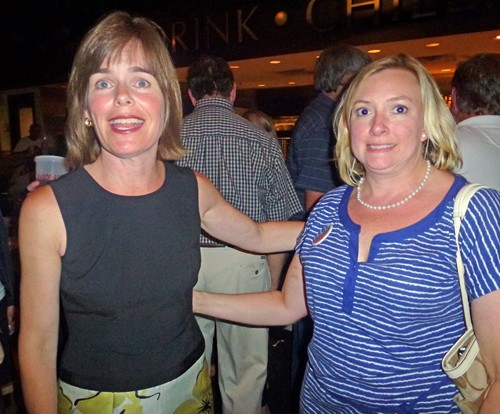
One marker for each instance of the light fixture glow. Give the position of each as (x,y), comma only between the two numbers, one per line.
(234,66)
(446,70)
(373,51)
(497,37)
(292,83)
(275,62)
(436,44)
(261,85)
(281,18)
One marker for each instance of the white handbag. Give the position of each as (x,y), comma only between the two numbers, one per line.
(463,362)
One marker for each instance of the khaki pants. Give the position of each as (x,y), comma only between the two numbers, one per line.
(241,350)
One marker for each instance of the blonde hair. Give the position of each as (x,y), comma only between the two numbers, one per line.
(440,147)
(264,121)
(107,40)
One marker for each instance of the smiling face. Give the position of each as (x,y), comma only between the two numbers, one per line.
(126,105)
(386,123)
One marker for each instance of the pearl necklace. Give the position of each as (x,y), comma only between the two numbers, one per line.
(404,200)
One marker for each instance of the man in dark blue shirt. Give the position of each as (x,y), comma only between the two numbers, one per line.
(310,158)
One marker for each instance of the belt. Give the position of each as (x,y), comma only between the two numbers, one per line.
(206,245)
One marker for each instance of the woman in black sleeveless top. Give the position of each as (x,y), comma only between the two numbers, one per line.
(112,247)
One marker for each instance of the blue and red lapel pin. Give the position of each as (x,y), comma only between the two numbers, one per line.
(323,235)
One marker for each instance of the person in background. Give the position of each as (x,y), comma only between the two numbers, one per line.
(265,122)
(475,92)
(310,159)
(377,257)
(112,248)
(27,147)
(261,120)
(8,307)
(246,166)
(32,143)
(277,267)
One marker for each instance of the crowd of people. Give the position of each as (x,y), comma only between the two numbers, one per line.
(158,263)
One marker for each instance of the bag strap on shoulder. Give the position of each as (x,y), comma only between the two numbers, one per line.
(460,207)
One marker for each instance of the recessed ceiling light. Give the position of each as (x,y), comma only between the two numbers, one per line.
(281,18)
(261,85)
(436,44)
(275,62)
(374,51)
(497,37)
(234,66)
(292,83)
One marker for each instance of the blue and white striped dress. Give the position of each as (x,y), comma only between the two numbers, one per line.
(381,327)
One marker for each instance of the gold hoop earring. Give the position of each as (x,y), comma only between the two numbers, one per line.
(88,123)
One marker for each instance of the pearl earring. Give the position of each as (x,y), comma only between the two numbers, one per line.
(88,123)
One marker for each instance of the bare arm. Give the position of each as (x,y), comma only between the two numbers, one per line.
(486,321)
(311,198)
(41,240)
(221,220)
(276,262)
(261,309)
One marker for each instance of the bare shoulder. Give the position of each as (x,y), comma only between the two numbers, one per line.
(41,219)
(39,203)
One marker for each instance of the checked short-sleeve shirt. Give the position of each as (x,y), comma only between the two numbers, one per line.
(244,163)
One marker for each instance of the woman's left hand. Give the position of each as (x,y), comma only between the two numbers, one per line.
(12,318)
(485,311)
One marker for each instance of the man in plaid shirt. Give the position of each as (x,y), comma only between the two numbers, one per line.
(246,166)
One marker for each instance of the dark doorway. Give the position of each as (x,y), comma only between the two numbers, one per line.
(21,115)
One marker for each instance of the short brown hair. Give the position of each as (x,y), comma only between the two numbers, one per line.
(107,40)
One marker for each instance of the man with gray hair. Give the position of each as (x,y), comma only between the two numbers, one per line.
(475,92)
(310,158)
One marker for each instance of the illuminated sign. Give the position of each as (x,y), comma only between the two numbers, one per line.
(303,24)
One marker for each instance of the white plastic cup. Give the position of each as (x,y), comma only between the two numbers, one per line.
(49,168)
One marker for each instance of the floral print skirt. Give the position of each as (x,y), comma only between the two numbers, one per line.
(189,394)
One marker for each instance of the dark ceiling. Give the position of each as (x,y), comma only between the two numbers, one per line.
(38,38)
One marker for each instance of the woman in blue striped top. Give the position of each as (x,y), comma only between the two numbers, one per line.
(378,257)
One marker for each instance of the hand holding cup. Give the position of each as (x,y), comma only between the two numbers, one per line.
(49,168)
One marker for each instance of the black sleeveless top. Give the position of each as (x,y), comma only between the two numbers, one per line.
(126,283)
